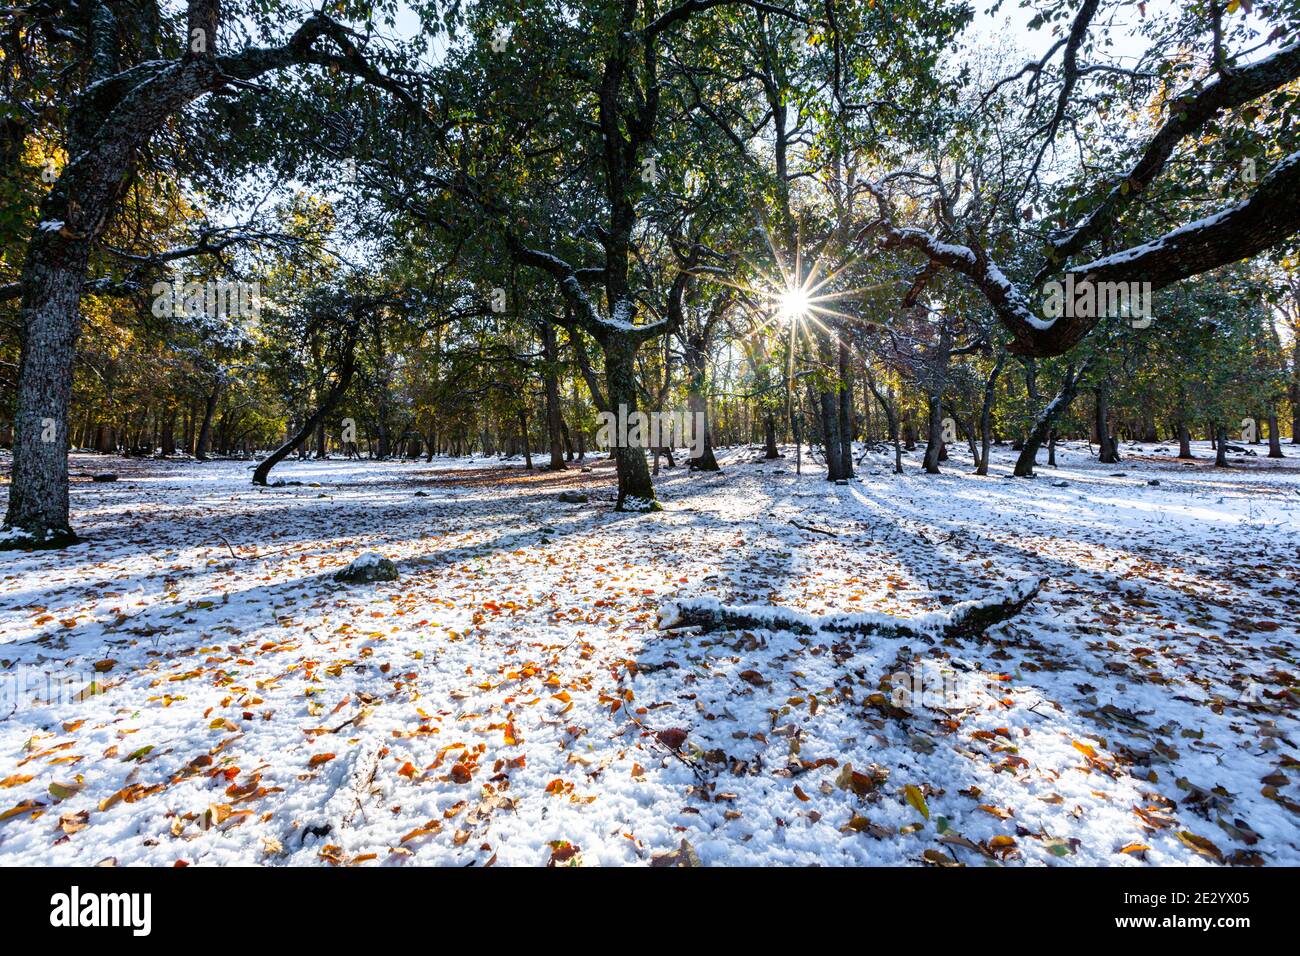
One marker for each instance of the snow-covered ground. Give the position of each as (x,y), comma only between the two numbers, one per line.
(510,699)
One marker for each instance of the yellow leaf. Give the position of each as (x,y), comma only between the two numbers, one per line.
(917,800)
(27,806)
(61,791)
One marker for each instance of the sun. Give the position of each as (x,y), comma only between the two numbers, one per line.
(800,296)
(793,304)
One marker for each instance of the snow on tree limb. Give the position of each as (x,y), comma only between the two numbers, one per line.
(1263,219)
(1189,113)
(1270,215)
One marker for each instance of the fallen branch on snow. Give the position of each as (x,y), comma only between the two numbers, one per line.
(809,527)
(967,619)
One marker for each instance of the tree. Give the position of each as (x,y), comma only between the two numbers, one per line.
(123,79)
(1195,107)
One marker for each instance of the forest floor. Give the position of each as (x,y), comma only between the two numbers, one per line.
(511,700)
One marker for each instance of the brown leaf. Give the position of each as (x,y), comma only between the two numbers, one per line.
(562,851)
(1201,845)
(672,738)
(72,822)
(684,855)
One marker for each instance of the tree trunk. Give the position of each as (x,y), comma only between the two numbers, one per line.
(1220,446)
(831,436)
(1107,444)
(167,442)
(769,437)
(845,412)
(891,418)
(934,433)
(1295,390)
(967,619)
(986,414)
(51,322)
(555,430)
(796,426)
(1274,439)
(205,429)
(1046,420)
(333,395)
(523,439)
(698,405)
(1184,440)
(635,489)
(568,440)
(971,441)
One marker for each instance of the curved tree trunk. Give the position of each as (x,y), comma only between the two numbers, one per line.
(330,399)
(568,440)
(891,418)
(1045,421)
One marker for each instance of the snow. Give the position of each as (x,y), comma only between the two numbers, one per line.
(936,247)
(513,690)
(931,623)
(51,225)
(1015,299)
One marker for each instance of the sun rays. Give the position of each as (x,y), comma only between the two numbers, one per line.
(797,295)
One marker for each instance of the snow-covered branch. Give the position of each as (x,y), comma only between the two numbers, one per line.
(967,619)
